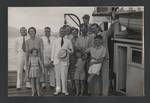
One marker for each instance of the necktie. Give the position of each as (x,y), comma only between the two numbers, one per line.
(62,41)
(48,40)
(24,45)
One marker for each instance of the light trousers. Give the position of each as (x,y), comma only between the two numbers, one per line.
(49,76)
(52,77)
(61,72)
(20,67)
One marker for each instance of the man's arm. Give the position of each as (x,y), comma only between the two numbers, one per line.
(41,64)
(100,60)
(16,46)
(27,54)
(88,50)
(53,48)
(110,31)
(28,66)
(41,50)
(50,48)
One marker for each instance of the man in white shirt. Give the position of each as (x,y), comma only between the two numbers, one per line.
(61,67)
(49,70)
(20,50)
(68,32)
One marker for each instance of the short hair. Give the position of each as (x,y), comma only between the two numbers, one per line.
(98,37)
(32,28)
(23,28)
(86,16)
(73,28)
(61,28)
(65,26)
(47,28)
(33,50)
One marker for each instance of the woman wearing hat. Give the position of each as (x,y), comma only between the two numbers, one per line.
(60,56)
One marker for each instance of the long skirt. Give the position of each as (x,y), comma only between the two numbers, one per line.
(95,84)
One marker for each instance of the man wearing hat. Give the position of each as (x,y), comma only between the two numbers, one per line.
(60,56)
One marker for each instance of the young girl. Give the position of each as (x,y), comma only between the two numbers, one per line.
(79,75)
(33,73)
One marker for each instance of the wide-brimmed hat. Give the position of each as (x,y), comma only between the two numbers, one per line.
(62,54)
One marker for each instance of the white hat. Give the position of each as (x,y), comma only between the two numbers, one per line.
(62,54)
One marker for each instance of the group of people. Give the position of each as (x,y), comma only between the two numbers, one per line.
(70,63)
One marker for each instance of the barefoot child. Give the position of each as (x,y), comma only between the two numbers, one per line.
(33,73)
(97,53)
(79,75)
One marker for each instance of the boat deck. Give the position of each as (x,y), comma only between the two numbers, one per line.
(13,92)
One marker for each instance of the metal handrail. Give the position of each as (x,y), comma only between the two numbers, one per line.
(76,22)
(70,14)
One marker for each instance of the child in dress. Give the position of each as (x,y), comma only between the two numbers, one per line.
(79,75)
(97,53)
(33,73)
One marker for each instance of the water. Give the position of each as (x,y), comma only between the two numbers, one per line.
(12,58)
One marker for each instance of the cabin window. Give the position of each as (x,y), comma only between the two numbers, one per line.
(136,56)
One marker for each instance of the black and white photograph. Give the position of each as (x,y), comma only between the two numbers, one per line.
(76,51)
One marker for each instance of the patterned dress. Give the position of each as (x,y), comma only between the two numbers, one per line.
(72,61)
(34,67)
(80,70)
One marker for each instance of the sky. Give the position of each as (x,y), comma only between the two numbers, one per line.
(40,17)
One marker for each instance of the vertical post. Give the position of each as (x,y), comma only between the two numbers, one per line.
(65,21)
(105,26)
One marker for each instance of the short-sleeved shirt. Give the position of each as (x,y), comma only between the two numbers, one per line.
(36,43)
(97,52)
